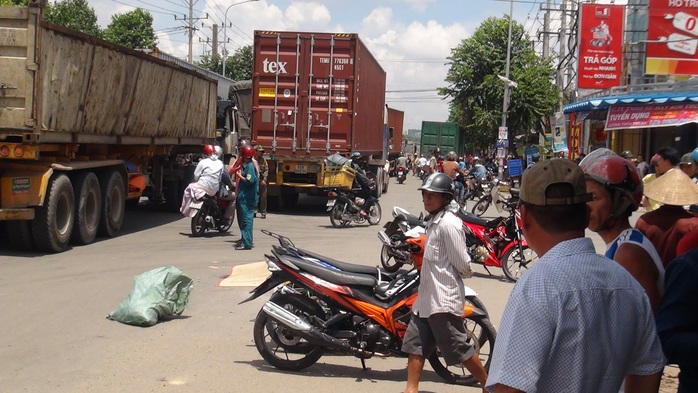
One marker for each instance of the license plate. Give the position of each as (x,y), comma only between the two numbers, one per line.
(330,203)
(301,169)
(399,173)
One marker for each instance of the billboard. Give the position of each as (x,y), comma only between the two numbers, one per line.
(672,38)
(600,46)
(646,116)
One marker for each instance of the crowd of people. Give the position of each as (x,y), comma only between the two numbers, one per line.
(602,323)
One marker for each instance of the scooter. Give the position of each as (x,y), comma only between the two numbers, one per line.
(345,208)
(401,174)
(207,213)
(492,196)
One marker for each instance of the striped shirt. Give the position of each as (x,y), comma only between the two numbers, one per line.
(445,260)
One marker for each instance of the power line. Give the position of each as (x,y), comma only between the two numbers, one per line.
(146,9)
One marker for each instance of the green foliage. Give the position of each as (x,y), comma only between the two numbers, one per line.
(237,67)
(477,93)
(14,2)
(133,29)
(74,15)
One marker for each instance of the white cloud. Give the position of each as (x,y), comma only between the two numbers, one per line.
(307,16)
(378,20)
(420,5)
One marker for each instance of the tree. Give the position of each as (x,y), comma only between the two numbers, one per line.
(237,67)
(133,29)
(74,15)
(477,93)
(14,2)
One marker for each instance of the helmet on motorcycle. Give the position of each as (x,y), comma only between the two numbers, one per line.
(439,182)
(219,151)
(451,156)
(356,155)
(209,150)
(694,154)
(437,150)
(620,177)
(247,151)
(596,155)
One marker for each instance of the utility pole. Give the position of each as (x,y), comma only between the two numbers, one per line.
(215,41)
(563,52)
(190,26)
(546,30)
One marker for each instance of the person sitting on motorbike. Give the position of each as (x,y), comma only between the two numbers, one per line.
(436,161)
(226,188)
(421,164)
(362,184)
(452,169)
(207,178)
(402,161)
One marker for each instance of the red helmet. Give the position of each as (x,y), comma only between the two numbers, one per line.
(209,150)
(619,176)
(247,151)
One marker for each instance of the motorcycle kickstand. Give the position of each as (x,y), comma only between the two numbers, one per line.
(488,270)
(363,363)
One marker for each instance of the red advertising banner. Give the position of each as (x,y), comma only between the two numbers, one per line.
(646,116)
(600,46)
(672,38)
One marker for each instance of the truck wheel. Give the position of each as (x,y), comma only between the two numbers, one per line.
(87,208)
(19,232)
(113,203)
(53,223)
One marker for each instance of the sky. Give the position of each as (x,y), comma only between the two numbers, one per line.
(411,39)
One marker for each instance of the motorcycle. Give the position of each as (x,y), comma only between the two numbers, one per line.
(493,196)
(499,242)
(318,306)
(345,207)
(401,174)
(207,214)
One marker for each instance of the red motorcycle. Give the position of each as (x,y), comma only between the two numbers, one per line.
(499,242)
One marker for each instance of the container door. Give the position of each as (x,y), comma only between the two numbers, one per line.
(18,64)
(303,93)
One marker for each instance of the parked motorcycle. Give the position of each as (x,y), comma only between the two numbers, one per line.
(494,195)
(207,214)
(499,242)
(318,306)
(345,207)
(401,174)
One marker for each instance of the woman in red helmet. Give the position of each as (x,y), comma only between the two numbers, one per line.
(247,180)
(207,179)
(617,191)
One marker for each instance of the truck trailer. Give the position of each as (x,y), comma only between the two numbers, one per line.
(445,135)
(87,126)
(314,95)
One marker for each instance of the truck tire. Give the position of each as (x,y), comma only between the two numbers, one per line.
(87,209)
(19,233)
(53,222)
(113,203)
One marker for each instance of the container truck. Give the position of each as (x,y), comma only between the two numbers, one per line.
(87,126)
(316,94)
(448,136)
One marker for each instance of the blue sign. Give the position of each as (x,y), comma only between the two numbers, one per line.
(515,167)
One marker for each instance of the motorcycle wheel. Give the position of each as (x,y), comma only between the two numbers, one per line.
(226,226)
(198,223)
(475,301)
(476,329)
(375,214)
(481,206)
(388,262)
(279,346)
(515,264)
(336,217)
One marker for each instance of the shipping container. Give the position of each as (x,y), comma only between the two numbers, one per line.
(445,135)
(86,125)
(396,120)
(316,94)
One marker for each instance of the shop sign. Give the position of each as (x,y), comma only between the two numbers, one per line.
(647,116)
(600,46)
(672,38)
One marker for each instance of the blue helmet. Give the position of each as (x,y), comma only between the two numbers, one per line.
(356,154)
(694,154)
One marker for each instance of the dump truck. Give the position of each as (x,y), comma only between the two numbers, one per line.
(87,127)
(314,95)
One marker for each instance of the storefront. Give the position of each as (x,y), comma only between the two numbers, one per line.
(641,121)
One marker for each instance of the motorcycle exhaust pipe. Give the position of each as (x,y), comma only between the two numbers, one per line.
(384,238)
(303,328)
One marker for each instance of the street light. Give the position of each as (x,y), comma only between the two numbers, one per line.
(508,81)
(225,30)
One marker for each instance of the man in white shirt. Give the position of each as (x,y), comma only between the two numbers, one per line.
(438,310)
(207,179)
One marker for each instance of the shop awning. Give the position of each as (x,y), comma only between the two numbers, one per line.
(648,98)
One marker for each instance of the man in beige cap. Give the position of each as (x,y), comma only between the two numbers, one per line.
(667,225)
(570,298)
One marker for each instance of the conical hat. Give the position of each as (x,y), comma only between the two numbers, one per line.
(673,188)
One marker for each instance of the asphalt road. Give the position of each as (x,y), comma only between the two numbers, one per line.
(55,337)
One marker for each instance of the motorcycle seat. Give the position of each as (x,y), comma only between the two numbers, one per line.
(473,219)
(333,276)
(343,266)
(411,219)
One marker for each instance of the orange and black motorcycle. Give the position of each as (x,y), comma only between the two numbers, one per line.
(320,303)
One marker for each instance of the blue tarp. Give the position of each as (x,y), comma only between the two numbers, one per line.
(602,103)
